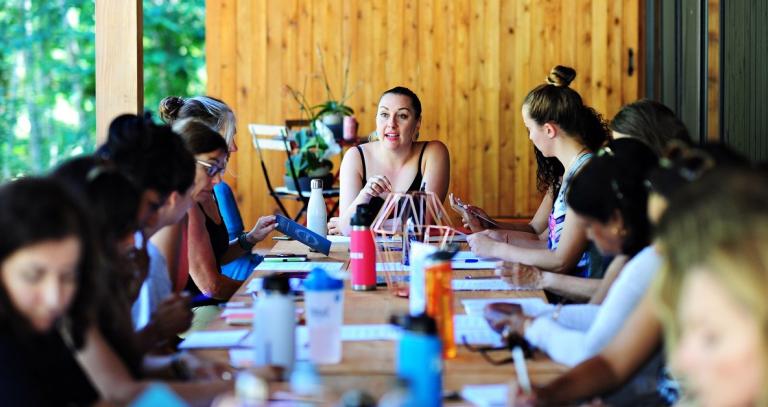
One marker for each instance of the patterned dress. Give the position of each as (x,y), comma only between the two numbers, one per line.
(557,217)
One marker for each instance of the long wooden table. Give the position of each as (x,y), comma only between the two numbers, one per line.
(370,365)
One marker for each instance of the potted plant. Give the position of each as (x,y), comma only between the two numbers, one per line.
(332,111)
(310,159)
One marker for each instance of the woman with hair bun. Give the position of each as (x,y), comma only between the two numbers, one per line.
(221,207)
(565,133)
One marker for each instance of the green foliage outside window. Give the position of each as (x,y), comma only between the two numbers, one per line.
(47,74)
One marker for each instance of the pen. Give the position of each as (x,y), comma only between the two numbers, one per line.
(471,260)
(521,370)
(286,259)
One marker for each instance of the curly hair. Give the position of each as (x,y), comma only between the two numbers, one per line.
(555,102)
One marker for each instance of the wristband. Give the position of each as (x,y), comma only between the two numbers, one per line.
(242,240)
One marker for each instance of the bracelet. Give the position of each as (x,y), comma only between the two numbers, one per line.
(242,240)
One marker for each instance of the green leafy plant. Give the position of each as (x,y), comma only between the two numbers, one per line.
(310,156)
(315,145)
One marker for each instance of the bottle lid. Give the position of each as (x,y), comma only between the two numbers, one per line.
(319,280)
(316,183)
(441,255)
(421,323)
(362,216)
(277,283)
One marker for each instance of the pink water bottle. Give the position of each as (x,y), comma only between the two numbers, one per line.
(362,251)
(350,128)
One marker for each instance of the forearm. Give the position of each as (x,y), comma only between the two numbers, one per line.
(214,284)
(541,258)
(346,214)
(592,377)
(515,226)
(574,288)
(234,251)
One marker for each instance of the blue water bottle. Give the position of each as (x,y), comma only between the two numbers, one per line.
(419,359)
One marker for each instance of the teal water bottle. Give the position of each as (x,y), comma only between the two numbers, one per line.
(419,359)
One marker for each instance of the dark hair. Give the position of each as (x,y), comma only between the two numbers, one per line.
(112,199)
(198,137)
(613,181)
(555,102)
(650,122)
(113,202)
(401,90)
(682,165)
(211,111)
(152,156)
(33,210)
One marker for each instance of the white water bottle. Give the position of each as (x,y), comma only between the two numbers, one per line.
(274,324)
(317,218)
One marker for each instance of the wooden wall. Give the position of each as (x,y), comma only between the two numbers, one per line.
(471,63)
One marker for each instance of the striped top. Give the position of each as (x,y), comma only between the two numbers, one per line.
(557,217)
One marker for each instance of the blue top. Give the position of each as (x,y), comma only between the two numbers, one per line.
(557,217)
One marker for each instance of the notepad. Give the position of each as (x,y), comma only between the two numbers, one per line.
(303,235)
(214,339)
(486,395)
(481,285)
(475,330)
(531,306)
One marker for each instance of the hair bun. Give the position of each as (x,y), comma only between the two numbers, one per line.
(169,108)
(561,76)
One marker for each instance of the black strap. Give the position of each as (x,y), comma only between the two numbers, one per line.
(424,147)
(362,158)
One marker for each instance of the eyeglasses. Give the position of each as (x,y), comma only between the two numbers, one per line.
(511,341)
(212,170)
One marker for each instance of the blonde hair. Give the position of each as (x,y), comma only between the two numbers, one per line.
(720,222)
(211,111)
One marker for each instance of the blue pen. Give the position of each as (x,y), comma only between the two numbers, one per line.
(471,260)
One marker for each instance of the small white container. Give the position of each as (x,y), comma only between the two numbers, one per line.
(317,217)
(324,302)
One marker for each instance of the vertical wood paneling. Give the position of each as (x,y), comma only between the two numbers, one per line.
(471,62)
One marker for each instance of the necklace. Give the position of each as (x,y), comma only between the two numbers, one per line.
(579,154)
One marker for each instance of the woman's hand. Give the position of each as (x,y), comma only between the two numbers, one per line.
(263,227)
(377,186)
(333,226)
(471,216)
(521,275)
(172,317)
(482,245)
(506,318)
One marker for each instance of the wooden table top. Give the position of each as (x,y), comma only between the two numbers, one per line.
(370,365)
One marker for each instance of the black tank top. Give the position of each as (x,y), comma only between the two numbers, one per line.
(217,233)
(376,203)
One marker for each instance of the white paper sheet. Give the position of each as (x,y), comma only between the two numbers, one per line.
(476,331)
(463,264)
(299,266)
(214,339)
(486,395)
(338,239)
(531,306)
(491,284)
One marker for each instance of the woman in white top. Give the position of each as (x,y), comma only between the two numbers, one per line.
(610,197)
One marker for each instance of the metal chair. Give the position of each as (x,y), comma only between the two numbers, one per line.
(277,138)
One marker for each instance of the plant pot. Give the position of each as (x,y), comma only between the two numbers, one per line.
(306,182)
(331,119)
